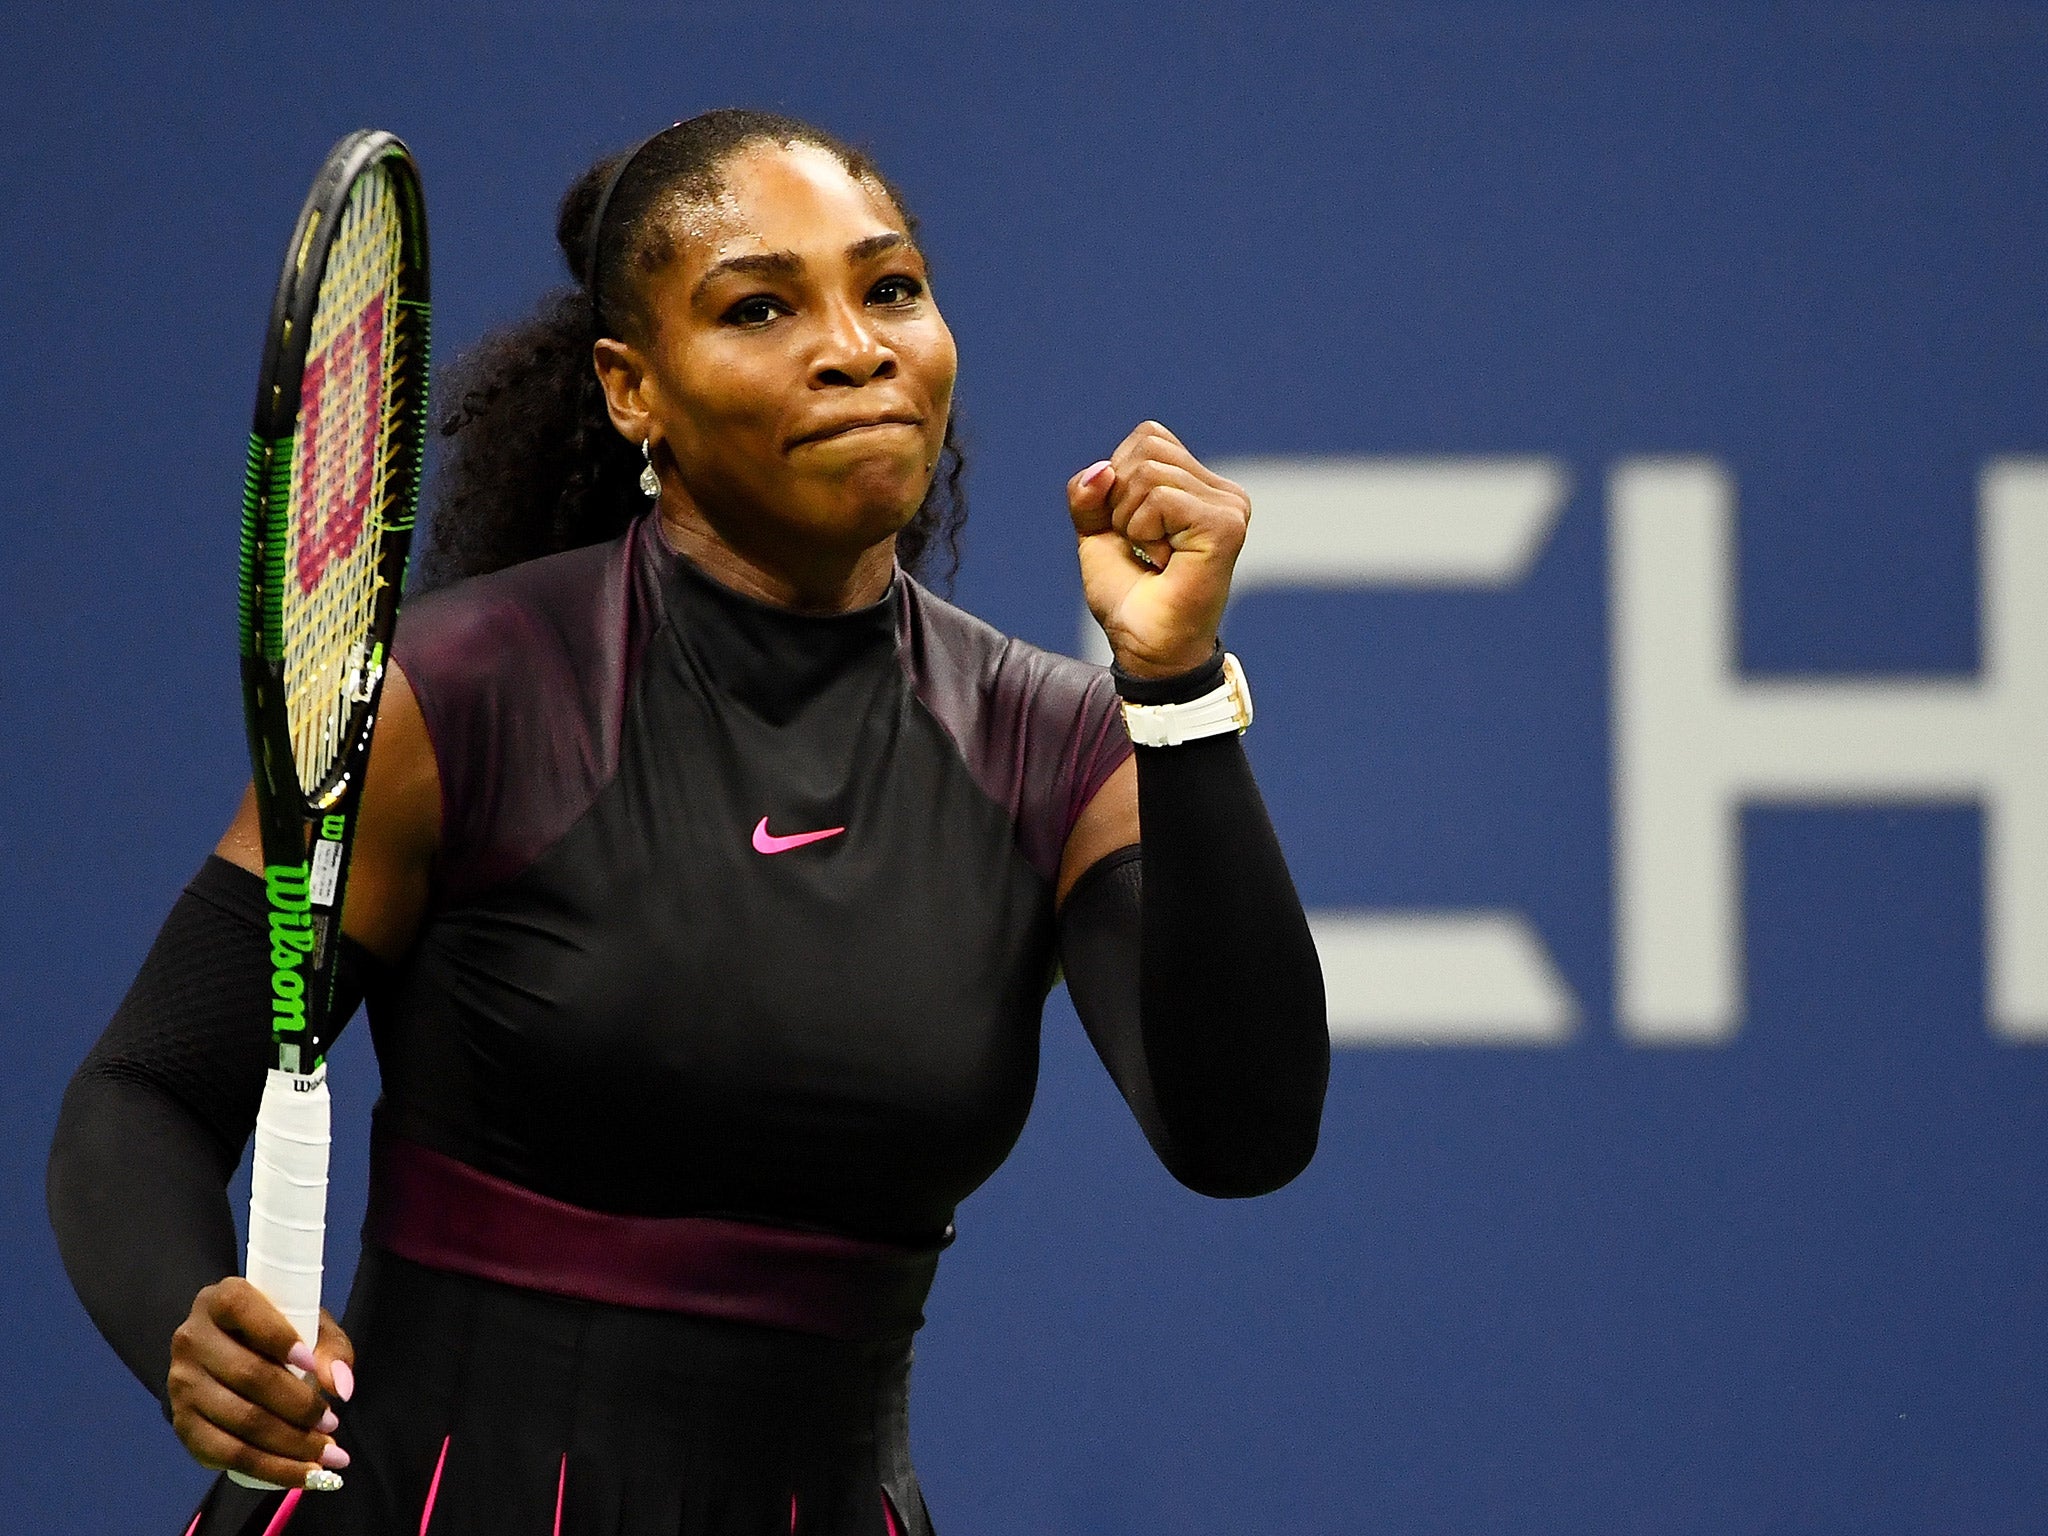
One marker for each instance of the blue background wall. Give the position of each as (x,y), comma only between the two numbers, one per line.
(1798,1283)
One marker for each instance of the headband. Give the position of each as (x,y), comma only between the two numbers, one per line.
(604,205)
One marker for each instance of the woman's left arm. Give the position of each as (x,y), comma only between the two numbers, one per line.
(1188,956)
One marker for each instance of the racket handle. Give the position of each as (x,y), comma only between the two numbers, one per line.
(288,1201)
(288,1197)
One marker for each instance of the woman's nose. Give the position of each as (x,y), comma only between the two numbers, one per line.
(852,354)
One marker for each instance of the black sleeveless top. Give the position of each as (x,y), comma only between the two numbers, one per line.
(737,912)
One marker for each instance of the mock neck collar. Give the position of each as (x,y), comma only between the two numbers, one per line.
(772,658)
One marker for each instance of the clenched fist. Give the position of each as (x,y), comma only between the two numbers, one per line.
(1159,535)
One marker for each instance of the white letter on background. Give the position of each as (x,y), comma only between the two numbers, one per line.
(1411,978)
(1693,741)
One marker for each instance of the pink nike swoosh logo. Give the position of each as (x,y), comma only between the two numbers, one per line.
(767,842)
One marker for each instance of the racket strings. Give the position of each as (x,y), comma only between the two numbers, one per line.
(351,410)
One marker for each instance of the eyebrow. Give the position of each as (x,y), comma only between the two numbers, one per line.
(874,245)
(787,264)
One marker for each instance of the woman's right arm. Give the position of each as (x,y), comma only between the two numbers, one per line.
(155,1119)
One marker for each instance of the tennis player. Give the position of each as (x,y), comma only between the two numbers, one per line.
(711,877)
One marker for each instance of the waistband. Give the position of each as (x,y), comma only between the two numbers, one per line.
(428,1207)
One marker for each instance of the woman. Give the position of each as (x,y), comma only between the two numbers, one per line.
(710,880)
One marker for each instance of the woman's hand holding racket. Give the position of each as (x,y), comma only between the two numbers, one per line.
(237,1400)
(1159,535)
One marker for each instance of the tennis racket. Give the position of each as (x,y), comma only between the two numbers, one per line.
(327,514)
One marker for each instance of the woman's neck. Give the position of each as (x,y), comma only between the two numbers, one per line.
(803,581)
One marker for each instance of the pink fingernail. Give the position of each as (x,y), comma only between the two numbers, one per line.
(302,1357)
(328,1423)
(333,1457)
(344,1381)
(1094,472)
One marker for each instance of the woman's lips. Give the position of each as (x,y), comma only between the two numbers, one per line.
(847,428)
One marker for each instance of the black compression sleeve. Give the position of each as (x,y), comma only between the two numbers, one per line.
(1194,973)
(155,1119)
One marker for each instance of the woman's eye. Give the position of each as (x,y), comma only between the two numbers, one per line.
(758,310)
(895,290)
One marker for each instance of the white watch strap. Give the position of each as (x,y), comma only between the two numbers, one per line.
(1226,707)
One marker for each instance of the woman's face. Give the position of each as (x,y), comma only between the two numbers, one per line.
(798,378)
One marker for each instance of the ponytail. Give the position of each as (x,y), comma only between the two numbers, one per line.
(531,464)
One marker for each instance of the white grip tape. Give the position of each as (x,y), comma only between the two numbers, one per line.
(288,1197)
(288,1203)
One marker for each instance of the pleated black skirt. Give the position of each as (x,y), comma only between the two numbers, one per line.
(484,1409)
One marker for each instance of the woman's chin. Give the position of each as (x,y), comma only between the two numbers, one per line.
(876,503)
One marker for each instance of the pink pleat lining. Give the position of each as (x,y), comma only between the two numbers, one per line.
(286,1506)
(434,1487)
(195,1524)
(289,1504)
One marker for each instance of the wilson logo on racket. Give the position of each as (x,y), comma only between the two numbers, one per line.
(337,459)
(291,940)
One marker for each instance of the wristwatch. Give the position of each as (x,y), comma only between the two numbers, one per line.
(1226,707)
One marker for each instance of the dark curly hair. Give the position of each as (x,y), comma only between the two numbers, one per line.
(532,464)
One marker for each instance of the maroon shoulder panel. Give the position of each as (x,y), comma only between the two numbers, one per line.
(1040,733)
(522,677)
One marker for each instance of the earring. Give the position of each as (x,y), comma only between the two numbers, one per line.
(650,482)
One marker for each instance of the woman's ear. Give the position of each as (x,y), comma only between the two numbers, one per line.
(623,374)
